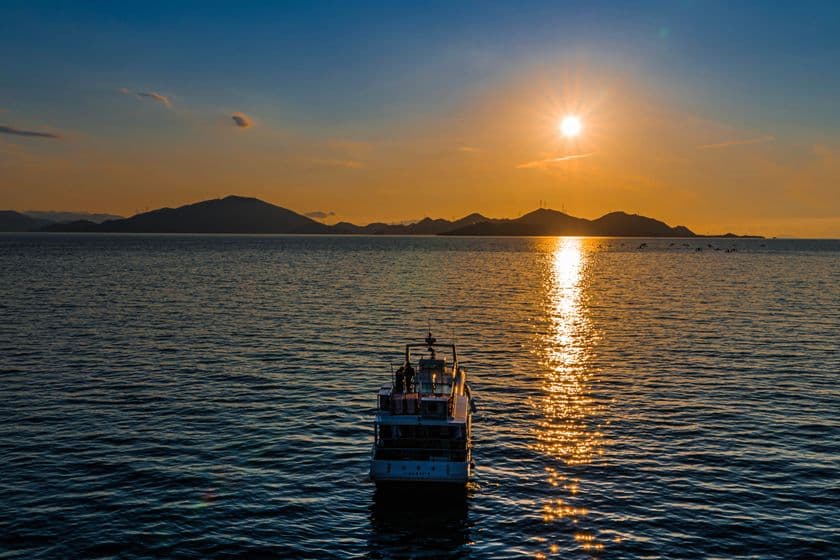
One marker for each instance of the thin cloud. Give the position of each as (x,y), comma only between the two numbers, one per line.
(242,120)
(319,214)
(469,149)
(544,163)
(31,133)
(728,143)
(346,163)
(153,95)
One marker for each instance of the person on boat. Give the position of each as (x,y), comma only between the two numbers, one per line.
(409,378)
(399,380)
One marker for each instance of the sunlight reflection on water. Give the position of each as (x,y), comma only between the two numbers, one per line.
(569,430)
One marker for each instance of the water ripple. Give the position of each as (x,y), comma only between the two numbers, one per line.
(211,396)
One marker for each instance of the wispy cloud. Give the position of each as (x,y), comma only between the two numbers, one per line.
(156,97)
(346,163)
(32,133)
(242,120)
(743,142)
(544,163)
(469,149)
(319,214)
(153,95)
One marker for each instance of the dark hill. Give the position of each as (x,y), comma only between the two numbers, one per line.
(232,214)
(426,226)
(15,221)
(68,217)
(474,218)
(552,222)
(76,226)
(622,224)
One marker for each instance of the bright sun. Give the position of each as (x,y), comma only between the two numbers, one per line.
(570,126)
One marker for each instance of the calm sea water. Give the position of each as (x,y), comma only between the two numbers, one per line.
(212,396)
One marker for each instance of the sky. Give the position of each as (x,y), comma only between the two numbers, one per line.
(720,116)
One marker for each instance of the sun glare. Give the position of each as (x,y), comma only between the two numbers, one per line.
(570,126)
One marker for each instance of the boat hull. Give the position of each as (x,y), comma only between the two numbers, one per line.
(383,471)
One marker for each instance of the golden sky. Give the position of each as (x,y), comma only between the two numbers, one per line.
(498,152)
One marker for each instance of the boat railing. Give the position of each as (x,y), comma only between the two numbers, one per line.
(442,384)
(412,404)
(402,403)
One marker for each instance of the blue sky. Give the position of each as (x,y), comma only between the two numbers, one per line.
(345,61)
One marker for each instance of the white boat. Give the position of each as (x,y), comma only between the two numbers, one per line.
(424,421)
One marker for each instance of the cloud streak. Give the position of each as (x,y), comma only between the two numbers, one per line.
(242,120)
(31,133)
(319,214)
(153,95)
(745,142)
(545,163)
(345,163)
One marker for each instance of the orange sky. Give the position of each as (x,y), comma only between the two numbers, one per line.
(496,151)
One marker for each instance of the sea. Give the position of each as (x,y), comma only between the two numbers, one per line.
(212,396)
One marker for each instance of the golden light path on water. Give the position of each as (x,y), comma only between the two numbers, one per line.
(569,429)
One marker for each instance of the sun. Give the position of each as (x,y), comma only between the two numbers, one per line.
(570,126)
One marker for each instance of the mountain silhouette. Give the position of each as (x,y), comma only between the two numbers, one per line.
(551,222)
(623,224)
(426,226)
(237,214)
(232,214)
(74,226)
(539,222)
(16,221)
(67,217)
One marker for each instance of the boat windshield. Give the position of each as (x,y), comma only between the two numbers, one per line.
(433,377)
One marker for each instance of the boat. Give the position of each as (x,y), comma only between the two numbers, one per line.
(423,425)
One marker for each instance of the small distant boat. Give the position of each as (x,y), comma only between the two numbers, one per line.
(423,425)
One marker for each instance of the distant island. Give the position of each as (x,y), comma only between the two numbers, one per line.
(34,220)
(237,214)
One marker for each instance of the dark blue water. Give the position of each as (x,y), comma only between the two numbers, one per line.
(211,396)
